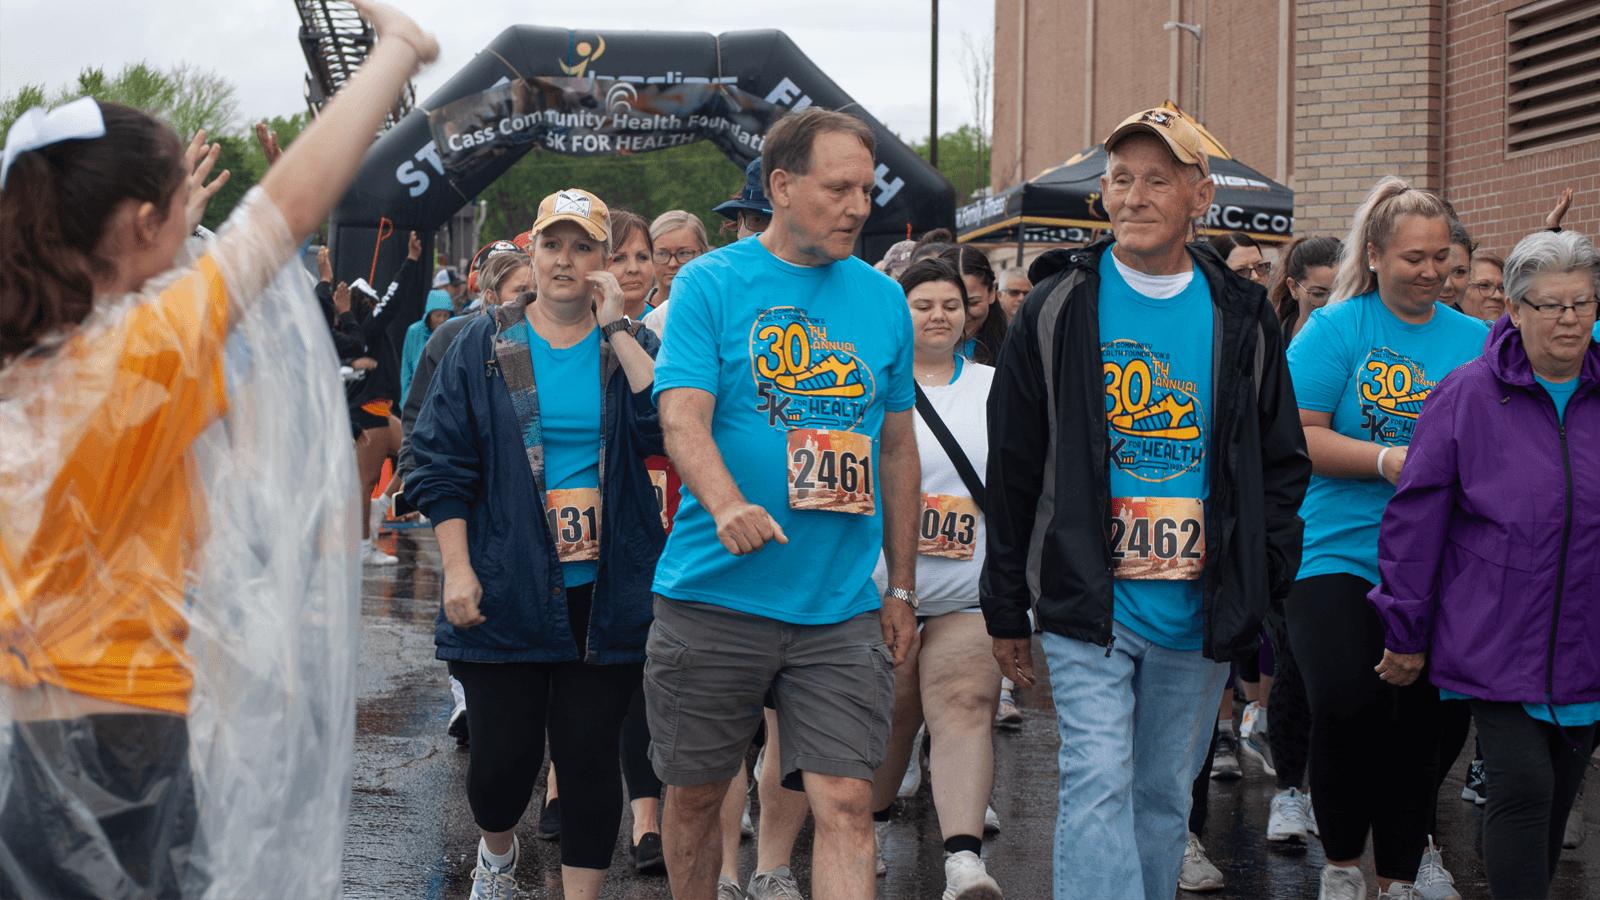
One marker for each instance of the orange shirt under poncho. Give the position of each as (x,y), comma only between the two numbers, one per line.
(95,603)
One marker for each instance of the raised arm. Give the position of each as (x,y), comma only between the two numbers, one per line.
(319,165)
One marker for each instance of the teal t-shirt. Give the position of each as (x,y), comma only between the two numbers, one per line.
(1157,358)
(1579,714)
(786,348)
(1560,392)
(570,411)
(1372,370)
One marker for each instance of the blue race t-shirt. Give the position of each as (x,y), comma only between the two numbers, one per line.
(784,348)
(1372,370)
(569,417)
(1560,392)
(1157,358)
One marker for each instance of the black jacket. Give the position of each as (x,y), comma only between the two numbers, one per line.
(1049,494)
(382,383)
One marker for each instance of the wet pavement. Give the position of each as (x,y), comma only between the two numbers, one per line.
(411,833)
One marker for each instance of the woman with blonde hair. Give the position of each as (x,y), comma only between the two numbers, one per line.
(1362,367)
(678,237)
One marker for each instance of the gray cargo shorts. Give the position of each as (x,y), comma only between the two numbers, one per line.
(707,668)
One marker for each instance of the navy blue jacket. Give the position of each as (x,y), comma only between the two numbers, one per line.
(471,465)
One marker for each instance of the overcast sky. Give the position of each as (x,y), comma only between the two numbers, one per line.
(876,50)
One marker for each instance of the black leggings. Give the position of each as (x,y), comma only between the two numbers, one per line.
(636,768)
(1533,773)
(1455,720)
(1374,746)
(510,706)
(1288,709)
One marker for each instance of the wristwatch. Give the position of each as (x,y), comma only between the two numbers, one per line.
(606,331)
(910,597)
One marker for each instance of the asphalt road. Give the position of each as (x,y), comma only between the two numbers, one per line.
(411,833)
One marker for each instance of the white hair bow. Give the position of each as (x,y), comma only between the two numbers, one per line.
(78,120)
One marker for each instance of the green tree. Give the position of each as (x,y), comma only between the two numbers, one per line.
(242,156)
(963,158)
(184,96)
(694,177)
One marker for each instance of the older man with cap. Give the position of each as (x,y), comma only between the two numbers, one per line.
(1145,474)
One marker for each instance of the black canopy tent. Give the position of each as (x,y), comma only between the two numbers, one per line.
(1062,204)
(603,94)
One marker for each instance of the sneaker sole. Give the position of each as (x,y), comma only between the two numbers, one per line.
(1302,838)
(980,892)
(1202,887)
(1253,754)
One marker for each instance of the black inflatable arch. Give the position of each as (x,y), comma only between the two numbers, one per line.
(406,183)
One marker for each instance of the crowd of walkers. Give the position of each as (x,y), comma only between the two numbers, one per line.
(833,509)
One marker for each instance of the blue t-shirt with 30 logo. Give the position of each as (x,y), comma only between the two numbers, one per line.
(1373,371)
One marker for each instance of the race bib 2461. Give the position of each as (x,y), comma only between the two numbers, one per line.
(830,470)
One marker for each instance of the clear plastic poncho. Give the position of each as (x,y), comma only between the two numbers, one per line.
(237,785)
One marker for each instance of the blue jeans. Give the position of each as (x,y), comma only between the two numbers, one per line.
(1135,726)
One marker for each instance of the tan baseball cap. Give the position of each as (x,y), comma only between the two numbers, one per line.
(573,205)
(1182,138)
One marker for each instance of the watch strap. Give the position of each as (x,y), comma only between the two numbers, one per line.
(910,597)
(607,331)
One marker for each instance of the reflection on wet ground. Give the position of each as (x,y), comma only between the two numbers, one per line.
(411,833)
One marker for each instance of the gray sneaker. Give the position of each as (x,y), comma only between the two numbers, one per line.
(1198,874)
(728,890)
(1342,883)
(1433,880)
(775,885)
(1400,891)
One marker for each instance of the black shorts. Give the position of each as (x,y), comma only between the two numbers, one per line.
(372,414)
(101,806)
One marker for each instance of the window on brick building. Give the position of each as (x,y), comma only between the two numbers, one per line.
(1553,74)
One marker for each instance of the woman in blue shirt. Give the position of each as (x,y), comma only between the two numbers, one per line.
(549,533)
(1362,366)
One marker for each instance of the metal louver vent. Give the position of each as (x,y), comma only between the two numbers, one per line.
(335,42)
(1552,74)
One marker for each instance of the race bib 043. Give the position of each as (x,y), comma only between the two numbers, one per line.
(574,518)
(830,470)
(1158,538)
(949,526)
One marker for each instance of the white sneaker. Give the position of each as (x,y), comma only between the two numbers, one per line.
(1311,816)
(372,556)
(746,829)
(495,882)
(1400,891)
(1434,882)
(1198,874)
(1006,714)
(966,879)
(880,836)
(761,761)
(379,514)
(1342,883)
(1290,820)
(991,821)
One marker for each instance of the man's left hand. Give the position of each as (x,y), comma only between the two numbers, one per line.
(899,627)
(1400,668)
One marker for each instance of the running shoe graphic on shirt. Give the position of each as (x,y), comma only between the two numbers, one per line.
(1156,419)
(805,377)
(1392,389)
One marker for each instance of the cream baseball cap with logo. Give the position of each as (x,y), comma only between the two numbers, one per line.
(574,205)
(1180,137)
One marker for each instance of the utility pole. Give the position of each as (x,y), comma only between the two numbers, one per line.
(933,94)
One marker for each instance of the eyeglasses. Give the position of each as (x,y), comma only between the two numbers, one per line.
(1486,287)
(1584,309)
(1262,268)
(1316,294)
(683,256)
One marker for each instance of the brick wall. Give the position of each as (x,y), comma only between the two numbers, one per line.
(1367,83)
(1501,198)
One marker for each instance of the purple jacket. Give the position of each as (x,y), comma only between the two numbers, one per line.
(1490,548)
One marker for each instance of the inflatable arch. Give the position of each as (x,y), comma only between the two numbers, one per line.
(604,94)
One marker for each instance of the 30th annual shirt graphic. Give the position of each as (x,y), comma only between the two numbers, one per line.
(804,361)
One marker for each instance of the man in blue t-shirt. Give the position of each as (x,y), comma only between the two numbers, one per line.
(785,389)
(1146,465)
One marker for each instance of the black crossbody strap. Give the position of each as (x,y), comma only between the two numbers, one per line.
(969,475)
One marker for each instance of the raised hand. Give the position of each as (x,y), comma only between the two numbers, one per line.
(1553,220)
(269,143)
(341,294)
(607,296)
(325,272)
(389,22)
(414,248)
(198,160)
